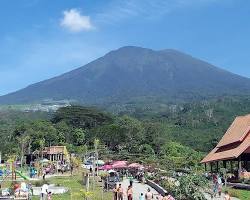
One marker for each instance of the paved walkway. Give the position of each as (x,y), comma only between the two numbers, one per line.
(138,188)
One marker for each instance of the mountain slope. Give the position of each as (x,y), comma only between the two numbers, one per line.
(131,72)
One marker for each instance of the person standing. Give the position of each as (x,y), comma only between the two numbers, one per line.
(149,195)
(227,196)
(160,197)
(44,174)
(44,191)
(219,186)
(50,196)
(71,169)
(130,180)
(215,185)
(115,192)
(120,192)
(130,193)
(168,196)
(141,197)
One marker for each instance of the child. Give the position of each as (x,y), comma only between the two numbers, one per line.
(50,196)
(219,186)
(227,196)
(141,197)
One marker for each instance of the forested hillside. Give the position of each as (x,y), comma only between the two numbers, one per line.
(137,129)
(197,124)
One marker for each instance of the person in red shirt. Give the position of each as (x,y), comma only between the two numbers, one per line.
(130,193)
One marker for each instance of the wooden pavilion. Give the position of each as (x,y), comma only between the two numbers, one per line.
(234,147)
(56,153)
(52,153)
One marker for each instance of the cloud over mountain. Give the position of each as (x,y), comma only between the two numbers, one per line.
(74,21)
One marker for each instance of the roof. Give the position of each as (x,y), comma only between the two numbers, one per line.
(237,131)
(55,150)
(235,141)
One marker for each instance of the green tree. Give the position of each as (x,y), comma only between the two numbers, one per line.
(79,136)
(146,149)
(133,133)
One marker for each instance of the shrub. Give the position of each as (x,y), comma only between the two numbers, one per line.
(40,183)
(187,187)
(234,193)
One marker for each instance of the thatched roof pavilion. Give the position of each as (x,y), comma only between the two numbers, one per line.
(234,145)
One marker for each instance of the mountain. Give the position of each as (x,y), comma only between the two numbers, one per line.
(132,73)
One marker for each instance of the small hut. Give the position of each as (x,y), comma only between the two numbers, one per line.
(234,147)
(53,153)
(57,153)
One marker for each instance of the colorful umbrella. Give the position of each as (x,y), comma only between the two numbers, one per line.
(120,164)
(135,166)
(106,167)
(100,162)
(111,171)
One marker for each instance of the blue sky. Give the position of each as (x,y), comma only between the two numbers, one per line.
(44,38)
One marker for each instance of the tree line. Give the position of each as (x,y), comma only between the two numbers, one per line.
(77,127)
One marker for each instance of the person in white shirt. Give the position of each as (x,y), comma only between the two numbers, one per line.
(44,192)
(149,195)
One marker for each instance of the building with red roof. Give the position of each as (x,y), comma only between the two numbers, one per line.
(233,146)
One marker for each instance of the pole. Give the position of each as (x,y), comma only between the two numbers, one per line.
(240,167)
(231,166)
(87,185)
(94,166)
(102,188)
(12,170)
(97,158)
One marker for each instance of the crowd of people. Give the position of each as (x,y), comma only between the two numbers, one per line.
(217,187)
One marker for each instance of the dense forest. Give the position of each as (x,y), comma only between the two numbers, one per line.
(169,134)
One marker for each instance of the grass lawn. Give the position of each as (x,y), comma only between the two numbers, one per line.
(241,194)
(75,187)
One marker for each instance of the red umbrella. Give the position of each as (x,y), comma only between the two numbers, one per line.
(135,165)
(106,167)
(120,164)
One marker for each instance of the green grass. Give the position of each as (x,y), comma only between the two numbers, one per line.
(240,194)
(244,195)
(75,187)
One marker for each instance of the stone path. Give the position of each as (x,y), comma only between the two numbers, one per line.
(138,188)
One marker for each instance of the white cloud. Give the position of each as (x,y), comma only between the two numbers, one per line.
(75,22)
